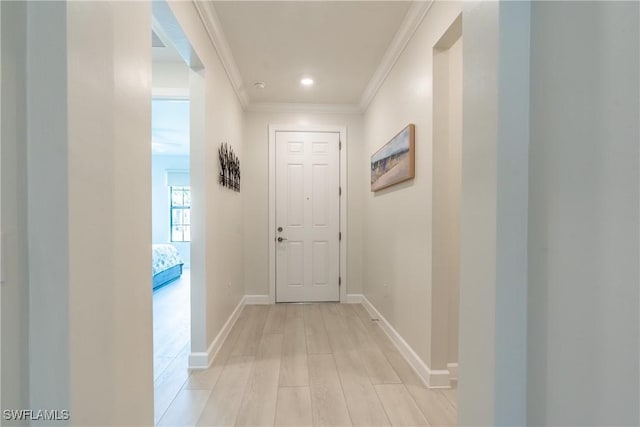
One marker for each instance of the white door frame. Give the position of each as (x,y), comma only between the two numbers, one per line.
(166,24)
(342,130)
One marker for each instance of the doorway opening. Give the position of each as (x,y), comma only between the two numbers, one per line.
(177,209)
(447,178)
(171,215)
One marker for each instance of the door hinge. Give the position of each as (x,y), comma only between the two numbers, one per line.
(340,235)
(339,281)
(339,191)
(339,145)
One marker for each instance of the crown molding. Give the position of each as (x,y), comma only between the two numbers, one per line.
(410,24)
(412,20)
(213,27)
(283,107)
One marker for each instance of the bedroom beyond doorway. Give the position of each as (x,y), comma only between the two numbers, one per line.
(171,225)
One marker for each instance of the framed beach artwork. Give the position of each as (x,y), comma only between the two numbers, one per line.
(395,161)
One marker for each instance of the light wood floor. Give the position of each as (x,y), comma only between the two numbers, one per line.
(300,365)
(171,340)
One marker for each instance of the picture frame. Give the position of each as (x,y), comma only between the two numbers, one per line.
(395,161)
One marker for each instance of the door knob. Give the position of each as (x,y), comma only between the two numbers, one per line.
(280,239)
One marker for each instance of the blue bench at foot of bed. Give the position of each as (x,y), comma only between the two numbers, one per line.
(167,276)
(167,265)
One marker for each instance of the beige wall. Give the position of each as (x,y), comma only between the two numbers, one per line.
(108,164)
(170,79)
(455,178)
(87,133)
(255,181)
(219,238)
(447,174)
(398,229)
(398,220)
(584,209)
(74,315)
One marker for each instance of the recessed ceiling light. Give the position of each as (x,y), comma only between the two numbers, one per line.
(259,85)
(306,81)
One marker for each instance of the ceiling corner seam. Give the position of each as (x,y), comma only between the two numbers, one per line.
(403,36)
(213,28)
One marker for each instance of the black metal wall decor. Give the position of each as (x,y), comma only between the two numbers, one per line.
(229,168)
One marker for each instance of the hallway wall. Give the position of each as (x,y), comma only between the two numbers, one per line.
(447,177)
(398,220)
(108,124)
(255,183)
(218,237)
(584,208)
(84,115)
(67,158)
(170,79)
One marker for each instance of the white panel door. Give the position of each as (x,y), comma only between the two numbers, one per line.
(307,216)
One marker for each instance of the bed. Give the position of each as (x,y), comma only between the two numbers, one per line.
(167,265)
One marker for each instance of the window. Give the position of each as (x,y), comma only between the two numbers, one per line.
(180,214)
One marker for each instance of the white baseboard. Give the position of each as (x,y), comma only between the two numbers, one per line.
(354,299)
(199,359)
(453,370)
(256,299)
(430,377)
(264,299)
(202,360)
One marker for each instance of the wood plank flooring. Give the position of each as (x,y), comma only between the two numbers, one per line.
(171,345)
(305,364)
(171,322)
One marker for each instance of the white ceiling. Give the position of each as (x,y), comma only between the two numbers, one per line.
(170,127)
(347,47)
(340,44)
(169,115)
